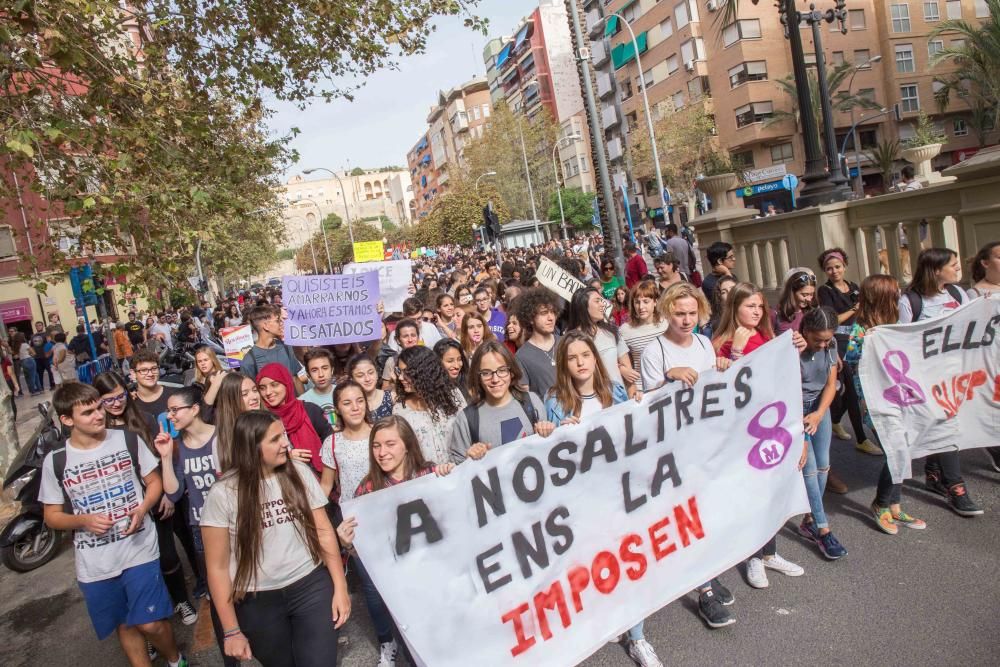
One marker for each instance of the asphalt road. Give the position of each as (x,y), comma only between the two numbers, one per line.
(918,598)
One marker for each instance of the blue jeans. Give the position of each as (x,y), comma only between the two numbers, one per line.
(635,633)
(817,467)
(377,610)
(30,370)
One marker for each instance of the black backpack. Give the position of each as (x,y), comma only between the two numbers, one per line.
(59,466)
(472,416)
(917,301)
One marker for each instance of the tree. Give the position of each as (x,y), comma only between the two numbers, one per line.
(454,215)
(578,207)
(357,171)
(884,156)
(332,221)
(499,150)
(976,61)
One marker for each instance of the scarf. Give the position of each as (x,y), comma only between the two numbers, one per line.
(293,415)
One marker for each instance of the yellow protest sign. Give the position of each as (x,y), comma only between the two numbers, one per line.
(368,251)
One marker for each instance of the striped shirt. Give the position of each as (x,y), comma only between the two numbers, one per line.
(638,337)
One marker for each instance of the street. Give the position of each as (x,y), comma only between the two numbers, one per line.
(917,598)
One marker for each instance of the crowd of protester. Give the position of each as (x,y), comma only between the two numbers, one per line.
(480,356)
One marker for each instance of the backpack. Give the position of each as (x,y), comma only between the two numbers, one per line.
(59,466)
(472,416)
(917,301)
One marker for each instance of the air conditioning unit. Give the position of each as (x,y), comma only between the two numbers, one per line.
(712,5)
(583,53)
(689,65)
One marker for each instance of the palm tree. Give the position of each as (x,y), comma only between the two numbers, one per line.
(884,157)
(976,79)
(843,100)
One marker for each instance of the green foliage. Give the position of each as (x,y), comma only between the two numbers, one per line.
(884,156)
(332,221)
(286,254)
(684,141)
(717,163)
(578,207)
(341,250)
(357,171)
(924,133)
(455,214)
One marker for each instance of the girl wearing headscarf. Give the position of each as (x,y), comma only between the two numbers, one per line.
(305,424)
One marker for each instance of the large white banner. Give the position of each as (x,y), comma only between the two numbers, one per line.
(934,386)
(557,279)
(546,548)
(394,279)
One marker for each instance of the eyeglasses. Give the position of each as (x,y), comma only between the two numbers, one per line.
(730,257)
(806,279)
(173,411)
(427,318)
(502,373)
(401,372)
(149,370)
(114,399)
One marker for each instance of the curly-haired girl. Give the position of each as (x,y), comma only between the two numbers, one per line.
(428,399)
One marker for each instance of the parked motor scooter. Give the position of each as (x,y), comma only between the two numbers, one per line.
(27,543)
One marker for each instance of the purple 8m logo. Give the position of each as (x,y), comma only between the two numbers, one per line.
(773,442)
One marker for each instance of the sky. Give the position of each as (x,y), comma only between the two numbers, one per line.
(389,113)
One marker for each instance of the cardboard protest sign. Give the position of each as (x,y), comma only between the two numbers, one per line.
(394,278)
(558,280)
(236,341)
(546,548)
(368,251)
(934,385)
(327,310)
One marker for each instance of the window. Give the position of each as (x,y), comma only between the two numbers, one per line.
(810,58)
(756,112)
(583,163)
(861,57)
(475,113)
(687,51)
(900,17)
(931,11)
(934,47)
(742,29)
(856,18)
(837,57)
(904,57)
(954,8)
(666,28)
(7,247)
(958,127)
(698,87)
(867,93)
(486,111)
(782,153)
(936,86)
(631,12)
(909,98)
(681,14)
(699,48)
(647,76)
(752,71)
(626,87)
(672,64)
(906,131)
(742,160)
(982,9)
(678,99)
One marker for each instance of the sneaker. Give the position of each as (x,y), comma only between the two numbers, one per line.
(961,503)
(834,484)
(868,447)
(642,652)
(710,608)
(387,652)
(182,661)
(807,529)
(994,454)
(933,483)
(187,613)
(786,567)
(904,519)
(722,594)
(151,652)
(884,519)
(840,432)
(200,589)
(756,576)
(831,548)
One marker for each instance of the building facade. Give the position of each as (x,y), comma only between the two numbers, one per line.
(370,195)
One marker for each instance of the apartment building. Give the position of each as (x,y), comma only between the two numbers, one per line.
(904,35)
(535,70)
(369,195)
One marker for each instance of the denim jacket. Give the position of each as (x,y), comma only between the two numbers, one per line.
(556,412)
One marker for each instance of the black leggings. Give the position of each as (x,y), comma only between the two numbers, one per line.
(848,401)
(170,562)
(292,626)
(946,465)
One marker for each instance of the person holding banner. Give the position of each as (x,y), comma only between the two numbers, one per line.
(305,424)
(475,331)
(878,305)
(985,271)
(428,400)
(586,314)
(274,568)
(932,292)
(644,322)
(537,310)
(455,363)
(362,370)
(499,410)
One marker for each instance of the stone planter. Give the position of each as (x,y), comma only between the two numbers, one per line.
(920,157)
(719,189)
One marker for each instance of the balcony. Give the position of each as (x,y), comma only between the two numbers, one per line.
(609,117)
(598,53)
(615,149)
(605,87)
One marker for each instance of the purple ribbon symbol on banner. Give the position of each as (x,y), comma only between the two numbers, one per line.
(905,392)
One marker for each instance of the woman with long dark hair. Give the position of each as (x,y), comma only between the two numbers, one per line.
(363,370)
(798,295)
(475,330)
(428,400)
(453,358)
(305,423)
(934,291)
(274,567)
(237,394)
(586,314)
(985,271)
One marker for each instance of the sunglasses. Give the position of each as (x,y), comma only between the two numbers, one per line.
(805,279)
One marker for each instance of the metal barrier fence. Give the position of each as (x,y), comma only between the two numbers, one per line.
(88,371)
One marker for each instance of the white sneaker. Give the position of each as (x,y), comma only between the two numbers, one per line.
(642,652)
(387,654)
(187,613)
(756,576)
(783,566)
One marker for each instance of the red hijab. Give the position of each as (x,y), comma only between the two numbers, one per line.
(292,413)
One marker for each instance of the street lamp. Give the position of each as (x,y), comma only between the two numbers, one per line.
(326,241)
(311,248)
(343,194)
(645,99)
(859,186)
(482,176)
(527,171)
(562,214)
